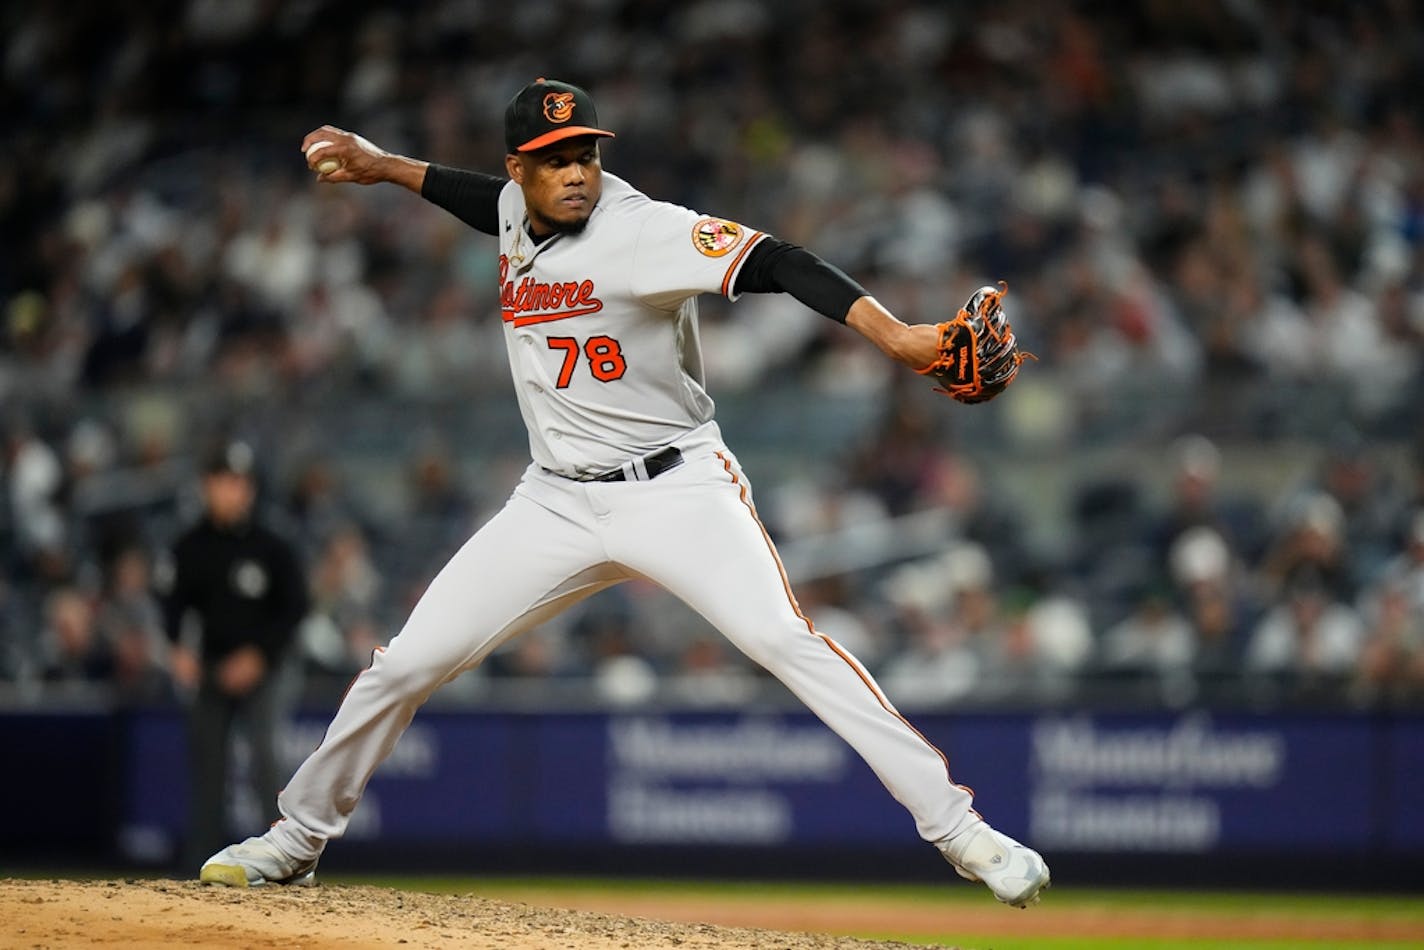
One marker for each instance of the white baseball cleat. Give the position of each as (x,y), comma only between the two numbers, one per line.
(253,863)
(1015,873)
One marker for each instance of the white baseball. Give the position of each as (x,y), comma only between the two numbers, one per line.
(327,166)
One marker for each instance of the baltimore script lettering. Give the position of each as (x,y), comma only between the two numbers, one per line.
(533,302)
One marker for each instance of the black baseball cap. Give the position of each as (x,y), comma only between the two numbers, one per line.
(547,111)
(229,458)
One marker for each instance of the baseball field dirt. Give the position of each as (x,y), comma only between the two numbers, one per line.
(58,914)
(478,914)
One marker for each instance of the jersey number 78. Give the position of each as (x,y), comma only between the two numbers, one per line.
(605,358)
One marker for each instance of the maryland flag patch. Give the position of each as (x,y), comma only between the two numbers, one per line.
(715,236)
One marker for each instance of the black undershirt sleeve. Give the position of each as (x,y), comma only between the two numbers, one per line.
(775,267)
(473,197)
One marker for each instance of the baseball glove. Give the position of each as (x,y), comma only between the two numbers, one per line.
(978,354)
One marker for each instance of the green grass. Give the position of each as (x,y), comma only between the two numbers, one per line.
(1078,909)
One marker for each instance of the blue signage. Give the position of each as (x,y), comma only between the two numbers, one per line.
(1402,825)
(1091,783)
(1198,783)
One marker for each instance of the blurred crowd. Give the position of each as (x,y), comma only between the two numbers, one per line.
(1210,215)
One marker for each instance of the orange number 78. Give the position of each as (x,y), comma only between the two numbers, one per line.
(604,354)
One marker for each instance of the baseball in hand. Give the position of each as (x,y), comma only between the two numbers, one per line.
(327,165)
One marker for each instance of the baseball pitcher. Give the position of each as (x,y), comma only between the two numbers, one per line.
(598,296)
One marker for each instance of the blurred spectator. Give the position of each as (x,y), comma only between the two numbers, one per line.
(435,489)
(621,667)
(333,653)
(1405,570)
(130,621)
(1370,504)
(122,332)
(953,482)
(1392,659)
(275,258)
(948,612)
(440,513)
(344,582)
(936,667)
(1347,339)
(343,334)
(900,458)
(16,659)
(1273,331)
(71,651)
(444,349)
(318,503)
(1056,643)
(34,477)
(340,628)
(1109,538)
(1311,543)
(1210,586)
(1153,641)
(1197,499)
(1309,638)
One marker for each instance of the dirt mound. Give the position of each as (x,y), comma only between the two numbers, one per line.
(59,914)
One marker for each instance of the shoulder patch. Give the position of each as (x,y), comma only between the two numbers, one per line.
(715,236)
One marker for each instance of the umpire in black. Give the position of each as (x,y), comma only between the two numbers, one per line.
(244,587)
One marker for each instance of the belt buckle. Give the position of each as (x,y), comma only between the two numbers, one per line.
(666,460)
(663,460)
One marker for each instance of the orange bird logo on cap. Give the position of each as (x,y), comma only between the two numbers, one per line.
(559,106)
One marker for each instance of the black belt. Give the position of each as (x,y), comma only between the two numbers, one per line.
(655,464)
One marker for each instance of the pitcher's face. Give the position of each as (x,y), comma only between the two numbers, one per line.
(561,184)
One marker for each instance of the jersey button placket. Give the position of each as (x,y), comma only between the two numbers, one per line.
(533,384)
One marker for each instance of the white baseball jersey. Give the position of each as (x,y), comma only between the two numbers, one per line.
(602,326)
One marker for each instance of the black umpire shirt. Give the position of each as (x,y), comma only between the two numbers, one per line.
(245,584)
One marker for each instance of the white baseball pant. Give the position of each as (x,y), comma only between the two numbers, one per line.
(694,531)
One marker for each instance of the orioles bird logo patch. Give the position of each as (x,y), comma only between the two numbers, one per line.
(559,106)
(715,237)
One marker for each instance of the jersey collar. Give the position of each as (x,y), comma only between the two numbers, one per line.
(525,246)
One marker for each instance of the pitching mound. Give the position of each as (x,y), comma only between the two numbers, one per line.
(173,914)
